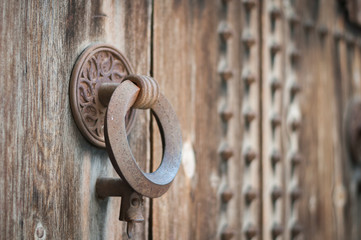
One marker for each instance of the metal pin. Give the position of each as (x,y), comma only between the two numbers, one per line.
(275,12)
(295,88)
(276,193)
(248,77)
(225,32)
(249,4)
(296,158)
(226,152)
(249,155)
(251,231)
(226,115)
(275,157)
(338,35)
(294,54)
(130,227)
(227,195)
(275,120)
(250,194)
(295,124)
(226,74)
(227,234)
(248,39)
(296,229)
(322,30)
(293,18)
(308,25)
(295,193)
(249,115)
(275,47)
(275,84)
(277,230)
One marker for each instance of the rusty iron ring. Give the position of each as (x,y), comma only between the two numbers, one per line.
(148,184)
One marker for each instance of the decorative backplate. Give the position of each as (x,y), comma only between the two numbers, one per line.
(96,65)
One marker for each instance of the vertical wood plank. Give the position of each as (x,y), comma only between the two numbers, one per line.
(201,74)
(48,170)
(273,85)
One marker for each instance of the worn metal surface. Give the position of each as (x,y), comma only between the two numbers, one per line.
(98,64)
(148,184)
(131,209)
(353,130)
(139,92)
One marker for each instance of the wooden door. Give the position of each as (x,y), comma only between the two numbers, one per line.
(261,90)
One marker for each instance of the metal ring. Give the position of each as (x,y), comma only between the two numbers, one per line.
(148,184)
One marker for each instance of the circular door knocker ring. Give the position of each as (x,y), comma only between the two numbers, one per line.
(124,97)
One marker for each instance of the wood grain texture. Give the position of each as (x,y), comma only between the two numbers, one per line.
(187,54)
(48,170)
(328,73)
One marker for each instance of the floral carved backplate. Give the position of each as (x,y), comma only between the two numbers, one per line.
(98,64)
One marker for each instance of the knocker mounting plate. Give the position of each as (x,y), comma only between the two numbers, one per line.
(96,65)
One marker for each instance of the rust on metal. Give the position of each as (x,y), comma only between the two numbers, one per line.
(295,193)
(148,184)
(275,47)
(277,230)
(296,158)
(249,155)
(225,32)
(249,115)
(103,96)
(249,4)
(226,74)
(250,194)
(97,65)
(226,115)
(248,77)
(251,231)
(111,187)
(275,120)
(248,39)
(296,229)
(275,12)
(226,152)
(227,195)
(275,156)
(276,193)
(275,84)
(227,234)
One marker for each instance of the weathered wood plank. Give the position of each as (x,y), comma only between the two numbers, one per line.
(48,170)
(188,55)
(329,68)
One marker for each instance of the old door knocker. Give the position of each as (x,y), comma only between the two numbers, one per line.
(103,96)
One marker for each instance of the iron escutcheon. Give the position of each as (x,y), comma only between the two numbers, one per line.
(98,64)
(353,130)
